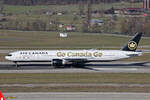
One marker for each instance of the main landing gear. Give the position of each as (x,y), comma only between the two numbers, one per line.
(17,66)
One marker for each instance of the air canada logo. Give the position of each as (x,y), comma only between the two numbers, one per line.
(132,45)
(1,96)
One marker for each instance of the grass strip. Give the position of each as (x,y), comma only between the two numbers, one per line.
(82,78)
(52,39)
(77,89)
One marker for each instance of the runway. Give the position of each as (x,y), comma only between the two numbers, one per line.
(101,67)
(77,96)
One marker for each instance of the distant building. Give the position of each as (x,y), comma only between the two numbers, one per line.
(61,25)
(63,35)
(70,28)
(117,11)
(59,13)
(132,11)
(49,13)
(97,21)
(146,4)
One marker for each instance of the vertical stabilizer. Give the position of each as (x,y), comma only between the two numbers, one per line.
(133,43)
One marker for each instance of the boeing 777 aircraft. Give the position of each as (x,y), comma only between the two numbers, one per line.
(60,58)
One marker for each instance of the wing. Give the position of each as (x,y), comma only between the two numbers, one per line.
(76,60)
(80,63)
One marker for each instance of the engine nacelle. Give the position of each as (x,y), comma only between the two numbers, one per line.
(57,62)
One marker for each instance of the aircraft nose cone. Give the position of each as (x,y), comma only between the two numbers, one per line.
(7,57)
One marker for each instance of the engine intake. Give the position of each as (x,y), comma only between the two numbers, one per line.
(57,62)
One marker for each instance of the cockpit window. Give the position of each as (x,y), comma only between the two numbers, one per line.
(9,54)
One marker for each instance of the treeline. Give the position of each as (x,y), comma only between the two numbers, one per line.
(54,2)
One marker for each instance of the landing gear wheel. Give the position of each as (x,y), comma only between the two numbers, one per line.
(17,66)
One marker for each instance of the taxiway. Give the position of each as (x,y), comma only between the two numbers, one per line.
(77,96)
(110,67)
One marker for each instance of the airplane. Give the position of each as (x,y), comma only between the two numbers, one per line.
(60,58)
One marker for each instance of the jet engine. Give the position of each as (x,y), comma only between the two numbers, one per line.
(59,62)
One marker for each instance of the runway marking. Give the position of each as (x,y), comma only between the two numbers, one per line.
(124,69)
(74,85)
(11,97)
